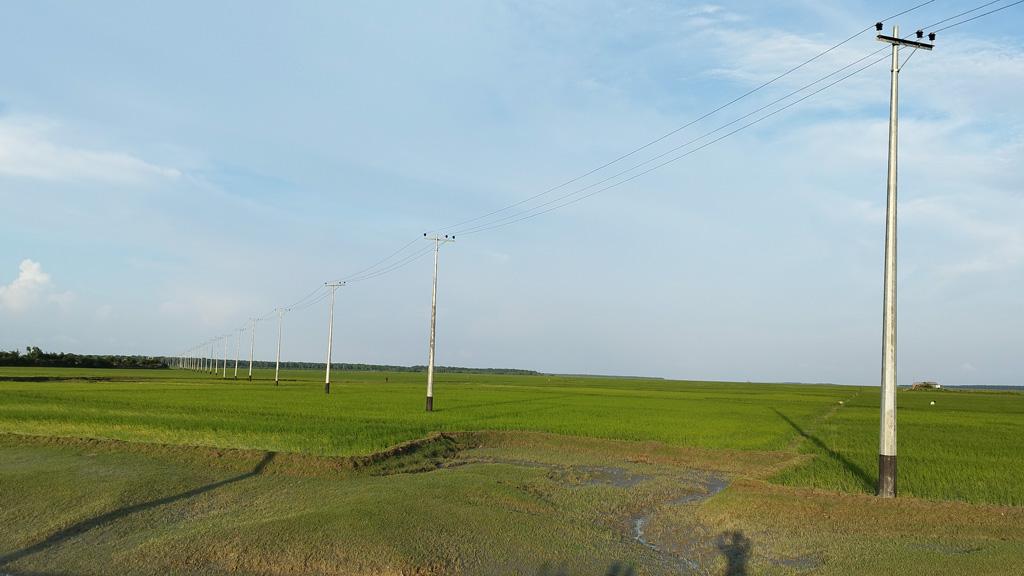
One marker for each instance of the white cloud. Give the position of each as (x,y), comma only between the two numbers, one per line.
(31,286)
(28,149)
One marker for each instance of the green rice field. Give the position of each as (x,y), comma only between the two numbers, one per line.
(174,472)
(969,446)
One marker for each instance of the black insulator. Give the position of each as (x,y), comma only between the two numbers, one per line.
(920,33)
(931,36)
(878,26)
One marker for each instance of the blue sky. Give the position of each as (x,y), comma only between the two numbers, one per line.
(167,171)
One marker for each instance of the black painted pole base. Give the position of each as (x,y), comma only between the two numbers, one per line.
(886,476)
(430,403)
(327,387)
(250,378)
(275,382)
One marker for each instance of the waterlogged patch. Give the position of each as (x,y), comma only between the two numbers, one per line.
(685,553)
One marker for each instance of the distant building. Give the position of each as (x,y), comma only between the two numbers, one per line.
(926,385)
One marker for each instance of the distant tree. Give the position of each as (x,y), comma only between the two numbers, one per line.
(34,356)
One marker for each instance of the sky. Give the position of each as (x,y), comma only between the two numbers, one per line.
(170,170)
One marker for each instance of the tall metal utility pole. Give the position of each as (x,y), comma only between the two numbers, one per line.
(330,334)
(252,346)
(280,331)
(887,433)
(433,319)
(238,348)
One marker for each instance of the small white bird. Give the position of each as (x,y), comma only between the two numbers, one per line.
(933,402)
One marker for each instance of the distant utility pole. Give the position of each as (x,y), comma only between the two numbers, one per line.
(213,356)
(252,346)
(330,334)
(280,331)
(887,434)
(238,348)
(225,371)
(438,240)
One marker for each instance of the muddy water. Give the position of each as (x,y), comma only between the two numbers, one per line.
(711,485)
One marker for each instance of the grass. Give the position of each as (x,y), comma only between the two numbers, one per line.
(171,472)
(519,503)
(969,446)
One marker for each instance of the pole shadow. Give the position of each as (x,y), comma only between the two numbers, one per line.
(115,515)
(736,549)
(852,467)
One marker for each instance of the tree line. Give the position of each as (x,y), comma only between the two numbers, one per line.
(244,364)
(34,356)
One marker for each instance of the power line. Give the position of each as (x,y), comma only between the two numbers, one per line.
(304,298)
(680,128)
(515,217)
(323,296)
(681,156)
(369,272)
(944,20)
(382,260)
(395,266)
(978,16)
(372,271)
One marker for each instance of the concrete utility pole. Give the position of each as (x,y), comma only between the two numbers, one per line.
(238,348)
(330,334)
(225,371)
(887,433)
(252,346)
(433,319)
(213,356)
(280,331)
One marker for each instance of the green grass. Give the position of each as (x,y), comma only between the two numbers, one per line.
(364,414)
(970,446)
(528,504)
(531,497)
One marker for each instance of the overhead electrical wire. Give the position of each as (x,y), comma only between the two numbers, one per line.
(375,269)
(1001,8)
(684,126)
(685,154)
(671,150)
(371,273)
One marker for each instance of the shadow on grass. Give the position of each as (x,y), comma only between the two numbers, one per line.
(736,549)
(115,515)
(866,481)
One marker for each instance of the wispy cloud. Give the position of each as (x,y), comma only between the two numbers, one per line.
(31,148)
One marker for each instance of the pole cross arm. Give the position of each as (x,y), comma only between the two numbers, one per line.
(902,42)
